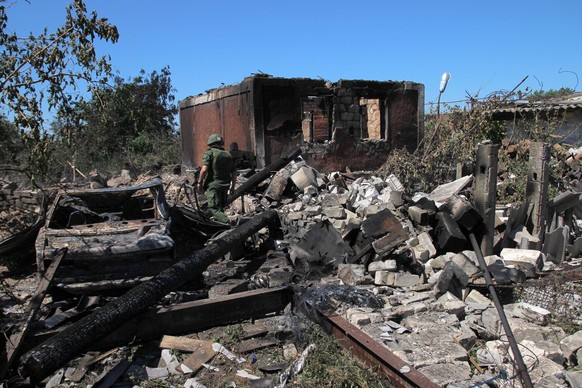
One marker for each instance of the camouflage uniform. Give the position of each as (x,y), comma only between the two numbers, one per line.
(218,181)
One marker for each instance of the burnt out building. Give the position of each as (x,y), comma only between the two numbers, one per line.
(348,124)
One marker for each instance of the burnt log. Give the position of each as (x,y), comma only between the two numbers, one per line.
(43,360)
(263,174)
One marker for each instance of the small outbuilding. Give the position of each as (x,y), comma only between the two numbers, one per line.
(349,124)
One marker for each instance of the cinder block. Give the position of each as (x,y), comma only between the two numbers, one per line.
(448,234)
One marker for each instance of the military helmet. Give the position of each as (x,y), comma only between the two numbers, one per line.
(215,138)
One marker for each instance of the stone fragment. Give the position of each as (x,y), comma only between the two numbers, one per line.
(528,312)
(574,378)
(530,261)
(447,374)
(419,215)
(452,279)
(570,345)
(462,212)
(506,275)
(423,248)
(439,353)
(386,265)
(322,243)
(447,190)
(334,212)
(409,309)
(448,234)
(396,279)
(304,177)
(475,296)
(555,244)
(465,264)
(354,274)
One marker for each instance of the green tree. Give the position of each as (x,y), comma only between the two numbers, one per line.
(10,144)
(40,72)
(131,124)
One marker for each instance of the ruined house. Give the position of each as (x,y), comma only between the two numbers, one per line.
(350,123)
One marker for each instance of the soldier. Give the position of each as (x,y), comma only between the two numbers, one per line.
(217,176)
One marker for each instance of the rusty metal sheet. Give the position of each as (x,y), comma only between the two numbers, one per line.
(372,354)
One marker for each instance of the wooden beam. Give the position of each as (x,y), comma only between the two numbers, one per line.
(14,343)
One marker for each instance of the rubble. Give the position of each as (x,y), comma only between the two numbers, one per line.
(399,269)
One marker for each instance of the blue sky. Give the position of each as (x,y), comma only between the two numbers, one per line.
(487,46)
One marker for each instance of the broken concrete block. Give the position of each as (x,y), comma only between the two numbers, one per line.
(294,216)
(451,304)
(547,349)
(490,259)
(277,185)
(465,264)
(524,330)
(396,279)
(506,275)
(304,177)
(414,297)
(522,237)
(555,244)
(386,265)
(570,345)
(530,261)
(543,371)
(452,279)
(494,353)
(528,312)
(408,310)
(462,212)
(446,374)
(313,210)
(422,247)
(334,212)
(574,378)
(321,243)
(354,274)
(444,192)
(339,224)
(419,215)
(363,316)
(441,354)
(448,234)
(478,298)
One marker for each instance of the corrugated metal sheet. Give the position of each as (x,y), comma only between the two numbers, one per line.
(569,102)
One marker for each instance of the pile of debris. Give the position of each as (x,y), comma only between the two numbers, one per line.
(403,271)
(416,255)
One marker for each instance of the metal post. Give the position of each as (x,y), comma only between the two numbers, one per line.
(521,367)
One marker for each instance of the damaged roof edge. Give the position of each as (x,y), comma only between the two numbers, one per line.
(246,85)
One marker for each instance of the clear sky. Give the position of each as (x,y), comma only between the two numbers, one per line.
(487,46)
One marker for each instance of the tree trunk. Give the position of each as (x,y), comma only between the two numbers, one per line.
(71,342)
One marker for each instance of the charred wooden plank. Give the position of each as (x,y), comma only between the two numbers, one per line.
(15,342)
(58,350)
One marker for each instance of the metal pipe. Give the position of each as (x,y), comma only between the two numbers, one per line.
(521,367)
(263,174)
